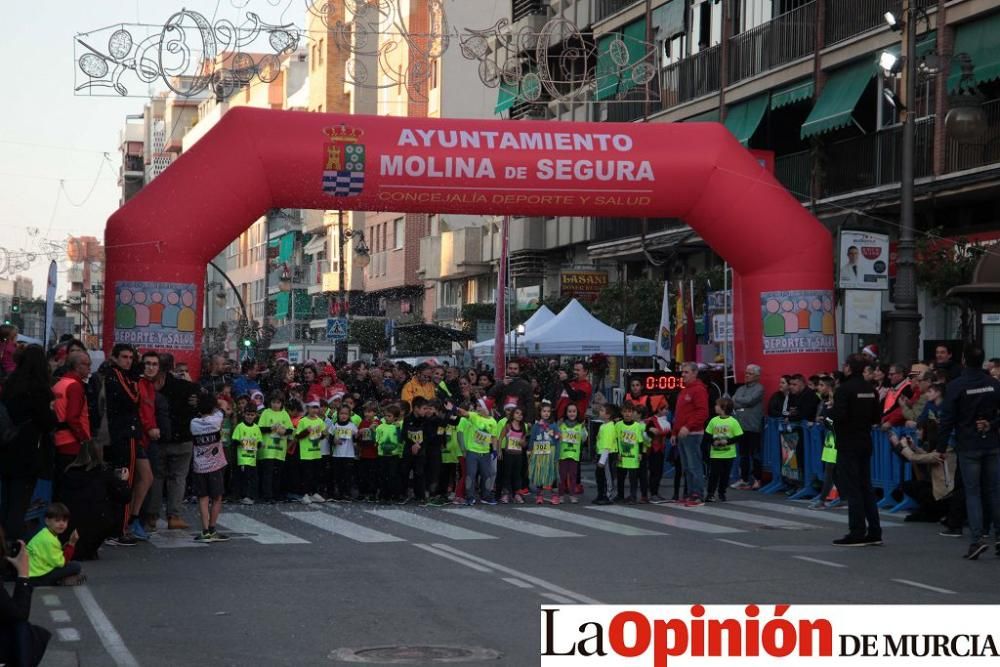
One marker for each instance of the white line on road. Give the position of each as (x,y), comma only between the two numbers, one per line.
(112,641)
(59,615)
(68,634)
(736,543)
(338,526)
(819,561)
(51,600)
(456,559)
(513,581)
(261,533)
(818,515)
(541,583)
(503,521)
(175,539)
(439,528)
(744,517)
(926,587)
(561,599)
(667,520)
(589,522)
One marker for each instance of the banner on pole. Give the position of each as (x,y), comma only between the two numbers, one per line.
(50,302)
(664,337)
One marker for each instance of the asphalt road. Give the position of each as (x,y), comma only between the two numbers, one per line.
(298,583)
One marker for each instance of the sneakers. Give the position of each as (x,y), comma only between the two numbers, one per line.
(247,501)
(504,499)
(401,501)
(437,501)
(975,550)
(137,531)
(574,500)
(216,536)
(950,532)
(524,492)
(518,499)
(872,541)
(316,498)
(740,485)
(469,502)
(72,580)
(305,499)
(849,541)
(755,486)
(602,501)
(203,536)
(694,502)
(177,523)
(538,499)
(644,500)
(709,499)
(818,504)
(555,500)
(122,541)
(657,499)
(489,501)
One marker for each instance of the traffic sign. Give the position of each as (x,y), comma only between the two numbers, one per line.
(336,328)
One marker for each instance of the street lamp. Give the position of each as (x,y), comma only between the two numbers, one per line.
(220,295)
(518,332)
(362,259)
(966,120)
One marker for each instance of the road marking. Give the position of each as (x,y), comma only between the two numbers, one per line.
(59,615)
(926,587)
(561,599)
(745,517)
(451,557)
(513,581)
(110,638)
(51,600)
(68,634)
(818,515)
(338,526)
(589,522)
(175,539)
(507,522)
(735,543)
(439,528)
(819,561)
(261,533)
(667,520)
(541,583)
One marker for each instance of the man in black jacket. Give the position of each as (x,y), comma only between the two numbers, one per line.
(970,412)
(514,386)
(855,410)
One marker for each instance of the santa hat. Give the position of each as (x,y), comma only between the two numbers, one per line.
(328,371)
(870,351)
(510,404)
(312,404)
(337,395)
(486,404)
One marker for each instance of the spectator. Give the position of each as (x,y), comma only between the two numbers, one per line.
(803,404)
(21,643)
(51,561)
(944,361)
(777,405)
(173,460)
(748,402)
(576,390)
(689,426)
(899,392)
(419,385)
(27,397)
(912,409)
(215,376)
(71,411)
(8,349)
(246,384)
(517,388)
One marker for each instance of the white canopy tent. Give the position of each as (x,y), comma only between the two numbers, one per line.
(539,318)
(574,331)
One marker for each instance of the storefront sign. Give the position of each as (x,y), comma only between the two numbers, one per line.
(582,285)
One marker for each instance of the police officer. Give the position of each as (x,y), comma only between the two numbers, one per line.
(856,409)
(970,412)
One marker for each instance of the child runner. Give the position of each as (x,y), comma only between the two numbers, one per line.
(208,461)
(389,441)
(51,563)
(725,431)
(659,430)
(829,454)
(291,475)
(543,456)
(247,441)
(607,451)
(572,435)
(275,425)
(632,442)
(343,432)
(512,441)
(309,432)
(451,453)
(434,441)
(480,441)
(368,455)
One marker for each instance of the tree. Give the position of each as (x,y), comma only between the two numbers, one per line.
(637,302)
(943,263)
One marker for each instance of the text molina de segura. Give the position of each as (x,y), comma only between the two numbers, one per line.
(444,165)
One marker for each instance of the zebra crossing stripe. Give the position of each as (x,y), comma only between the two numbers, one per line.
(338,526)
(428,525)
(819,515)
(588,521)
(753,519)
(665,520)
(502,521)
(175,539)
(261,533)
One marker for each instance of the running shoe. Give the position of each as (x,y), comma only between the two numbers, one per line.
(203,536)
(137,531)
(975,550)
(247,501)
(216,536)
(122,541)
(489,501)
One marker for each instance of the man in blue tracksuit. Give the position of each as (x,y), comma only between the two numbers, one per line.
(970,411)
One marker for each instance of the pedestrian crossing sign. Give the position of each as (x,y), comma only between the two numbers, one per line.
(336,328)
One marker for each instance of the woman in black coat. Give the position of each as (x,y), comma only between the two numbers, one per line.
(27,396)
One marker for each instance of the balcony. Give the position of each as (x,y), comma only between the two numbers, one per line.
(133,167)
(959,157)
(284,220)
(314,275)
(847,18)
(605,8)
(873,160)
(452,254)
(795,172)
(299,276)
(520,9)
(691,78)
(781,40)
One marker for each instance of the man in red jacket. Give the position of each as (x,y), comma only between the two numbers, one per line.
(70,405)
(689,425)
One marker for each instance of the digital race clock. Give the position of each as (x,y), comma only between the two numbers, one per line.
(657,383)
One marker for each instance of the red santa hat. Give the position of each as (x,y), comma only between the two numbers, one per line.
(486,404)
(870,351)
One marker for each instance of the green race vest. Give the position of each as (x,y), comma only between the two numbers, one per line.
(607,438)
(248,440)
(571,436)
(723,430)
(630,440)
(485,429)
(829,454)
(389,440)
(310,434)
(451,451)
(275,446)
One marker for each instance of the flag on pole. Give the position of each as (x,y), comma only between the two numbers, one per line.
(499,356)
(679,322)
(50,302)
(690,333)
(664,336)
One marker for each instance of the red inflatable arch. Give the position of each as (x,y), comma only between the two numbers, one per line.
(158,244)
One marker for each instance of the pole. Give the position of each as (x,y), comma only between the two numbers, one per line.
(621,279)
(725,330)
(905,318)
(342,272)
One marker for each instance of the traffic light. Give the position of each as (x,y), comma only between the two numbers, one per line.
(15,304)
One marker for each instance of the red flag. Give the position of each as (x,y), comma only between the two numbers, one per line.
(499,356)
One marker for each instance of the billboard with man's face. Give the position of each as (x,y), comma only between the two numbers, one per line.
(863,260)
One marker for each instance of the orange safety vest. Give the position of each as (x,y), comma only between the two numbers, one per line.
(892,396)
(64,435)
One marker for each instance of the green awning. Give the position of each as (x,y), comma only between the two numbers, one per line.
(981,40)
(281,304)
(613,78)
(668,19)
(506,98)
(835,106)
(710,116)
(303,304)
(286,247)
(796,92)
(743,118)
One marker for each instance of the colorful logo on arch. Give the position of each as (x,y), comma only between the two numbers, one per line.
(344,173)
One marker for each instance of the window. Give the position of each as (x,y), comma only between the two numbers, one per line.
(384,245)
(434,74)
(451,293)
(398,233)
(320,60)
(434,224)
